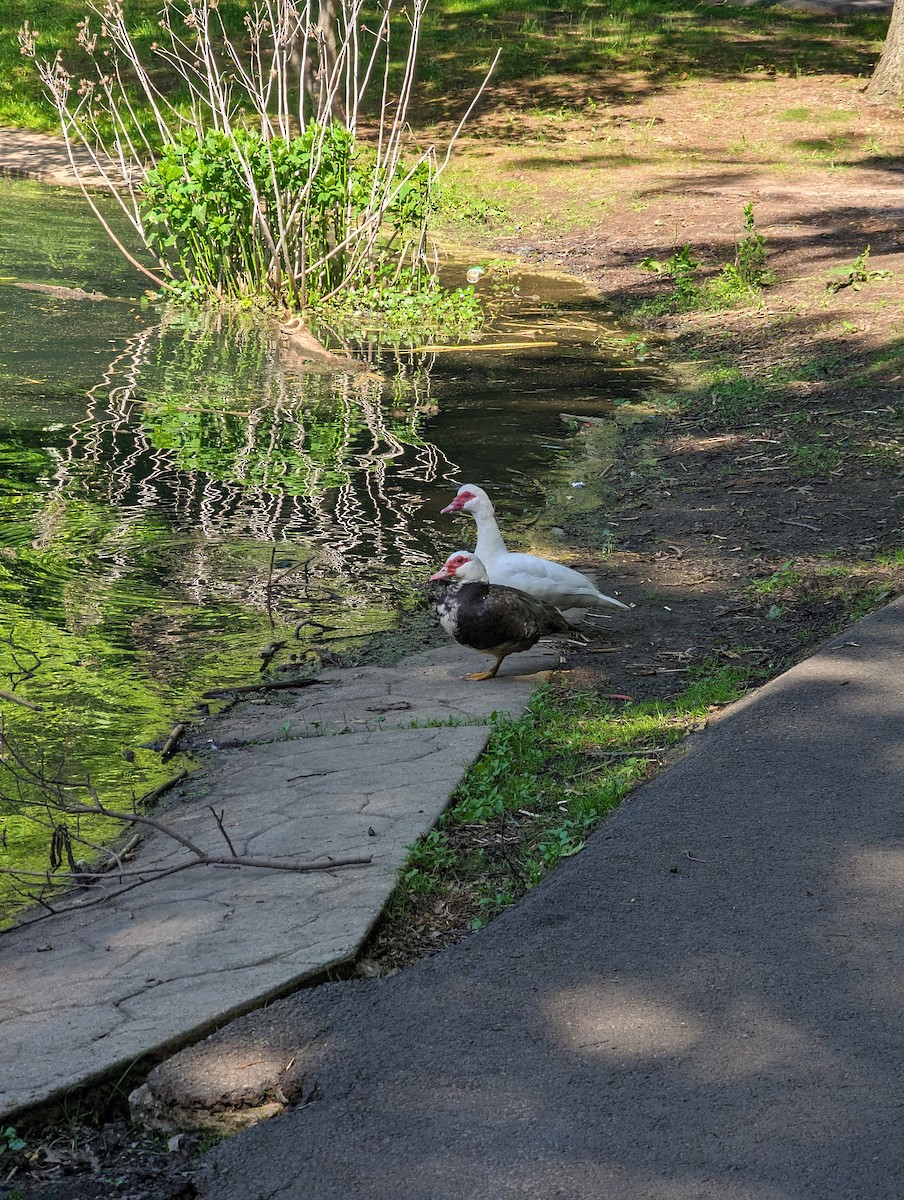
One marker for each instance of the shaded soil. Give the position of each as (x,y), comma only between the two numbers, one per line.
(764,506)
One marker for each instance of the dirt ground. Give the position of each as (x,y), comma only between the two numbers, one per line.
(785,441)
(766,507)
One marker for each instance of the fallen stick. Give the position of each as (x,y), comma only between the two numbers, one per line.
(154,794)
(151,874)
(14,699)
(144,874)
(801,524)
(586,420)
(639,753)
(171,743)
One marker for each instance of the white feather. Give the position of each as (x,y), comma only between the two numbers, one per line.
(540,577)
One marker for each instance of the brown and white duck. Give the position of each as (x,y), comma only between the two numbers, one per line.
(491,617)
(540,577)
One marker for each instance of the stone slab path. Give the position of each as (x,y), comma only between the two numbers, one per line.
(85,994)
(427,687)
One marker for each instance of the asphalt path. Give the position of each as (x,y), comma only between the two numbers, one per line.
(705,1003)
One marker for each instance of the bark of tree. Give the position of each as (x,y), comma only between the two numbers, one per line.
(323,50)
(887,83)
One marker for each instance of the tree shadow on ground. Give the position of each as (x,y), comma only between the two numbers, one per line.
(621,54)
(648,1021)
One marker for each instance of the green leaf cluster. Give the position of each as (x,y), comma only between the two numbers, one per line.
(681,268)
(214,206)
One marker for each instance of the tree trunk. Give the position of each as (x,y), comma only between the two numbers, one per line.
(887,83)
(323,50)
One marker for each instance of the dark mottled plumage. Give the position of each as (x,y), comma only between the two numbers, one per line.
(488,616)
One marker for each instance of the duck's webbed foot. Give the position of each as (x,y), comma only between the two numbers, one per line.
(486,674)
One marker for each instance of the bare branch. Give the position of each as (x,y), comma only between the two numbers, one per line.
(288,243)
(218,817)
(142,879)
(14,699)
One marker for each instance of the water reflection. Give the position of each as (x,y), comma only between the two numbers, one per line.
(176,492)
(223,428)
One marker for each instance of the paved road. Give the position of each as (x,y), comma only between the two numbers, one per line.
(706,1003)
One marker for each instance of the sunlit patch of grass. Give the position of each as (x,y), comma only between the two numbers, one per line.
(886,364)
(540,40)
(830,593)
(822,145)
(545,781)
(804,370)
(813,459)
(805,113)
(784,577)
(468,206)
(728,394)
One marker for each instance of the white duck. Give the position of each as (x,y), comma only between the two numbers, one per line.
(488,616)
(539,577)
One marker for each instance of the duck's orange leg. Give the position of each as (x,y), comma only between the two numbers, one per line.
(487,674)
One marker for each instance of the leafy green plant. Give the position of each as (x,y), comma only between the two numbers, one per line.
(856,274)
(199,205)
(750,256)
(230,201)
(10,1142)
(412,306)
(741,281)
(681,268)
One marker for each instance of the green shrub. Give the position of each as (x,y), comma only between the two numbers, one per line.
(202,204)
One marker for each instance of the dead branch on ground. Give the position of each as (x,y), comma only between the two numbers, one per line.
(51,800)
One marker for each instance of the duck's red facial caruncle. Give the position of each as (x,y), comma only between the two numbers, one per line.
(463,497)
(450,566)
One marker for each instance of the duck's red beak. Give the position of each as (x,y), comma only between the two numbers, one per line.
(442,573)
(456,506)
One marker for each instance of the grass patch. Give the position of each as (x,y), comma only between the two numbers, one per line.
(779,581)
(825,596)
(728,394)
(467,207)
(543,784)
(814,460)
(738,283)
(662,39)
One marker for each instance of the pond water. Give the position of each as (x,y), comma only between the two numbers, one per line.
(176,492)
